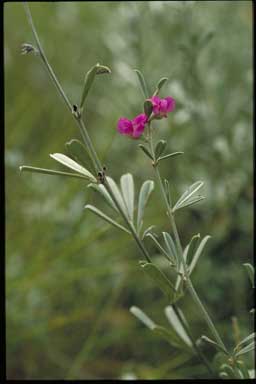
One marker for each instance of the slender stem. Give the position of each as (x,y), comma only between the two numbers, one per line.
(98,167)
(179,246)
(92,153)
(196,349)
(44,58)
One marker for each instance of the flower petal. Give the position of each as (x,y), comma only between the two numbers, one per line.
(125,126)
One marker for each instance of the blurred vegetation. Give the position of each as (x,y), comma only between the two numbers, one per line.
(71,278)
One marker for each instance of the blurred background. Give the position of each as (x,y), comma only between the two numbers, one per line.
(70,277)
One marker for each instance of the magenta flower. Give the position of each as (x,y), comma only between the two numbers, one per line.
(162,106)
(133,128)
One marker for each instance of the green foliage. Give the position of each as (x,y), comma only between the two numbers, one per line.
(70,278)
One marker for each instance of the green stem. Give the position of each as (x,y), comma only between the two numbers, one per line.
(179,247)
(195,347)
(92,153)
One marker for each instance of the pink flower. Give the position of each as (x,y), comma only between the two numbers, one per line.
(133,128)
(162,106)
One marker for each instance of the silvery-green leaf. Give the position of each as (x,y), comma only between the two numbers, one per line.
(127,188)
(229,371)
(190,249)
(105,217)
(250,270)
(172,251)
(142,317)
(147,231)
(252,373)
(50,172)
(79,153)
(177,325)
(193,200)
(162,250)
(246,340)
(89,78)
(160,84)
(118,196)
(160,147)
(142,83)
(214,344)
(243,369)
(102,190)
(160,279)
(65,160)
(146,151)
(198,253)
(145,191)
(223,375)
(246,349)
(170,155)
(168,335)
(186,196)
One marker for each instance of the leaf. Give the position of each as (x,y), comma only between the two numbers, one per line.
(151,236)
(102,190)
(192,201)
(190,249)
(118,196)
(145,191)
(228,370)
(142,83)
(137,312)
(79,152)
(127,188)
(146,151)
(243,369)
(147,231)
(160,147)
(170,155)
(250,270)
(106,218)
(89,78)
(177,325)
(198,253)
(214,344)
(65,160)
(246,339)
(160,279)
(160,84)
(186,196)
(172,251)
(148,108)
(50,172)
(168,335)
(246,349)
